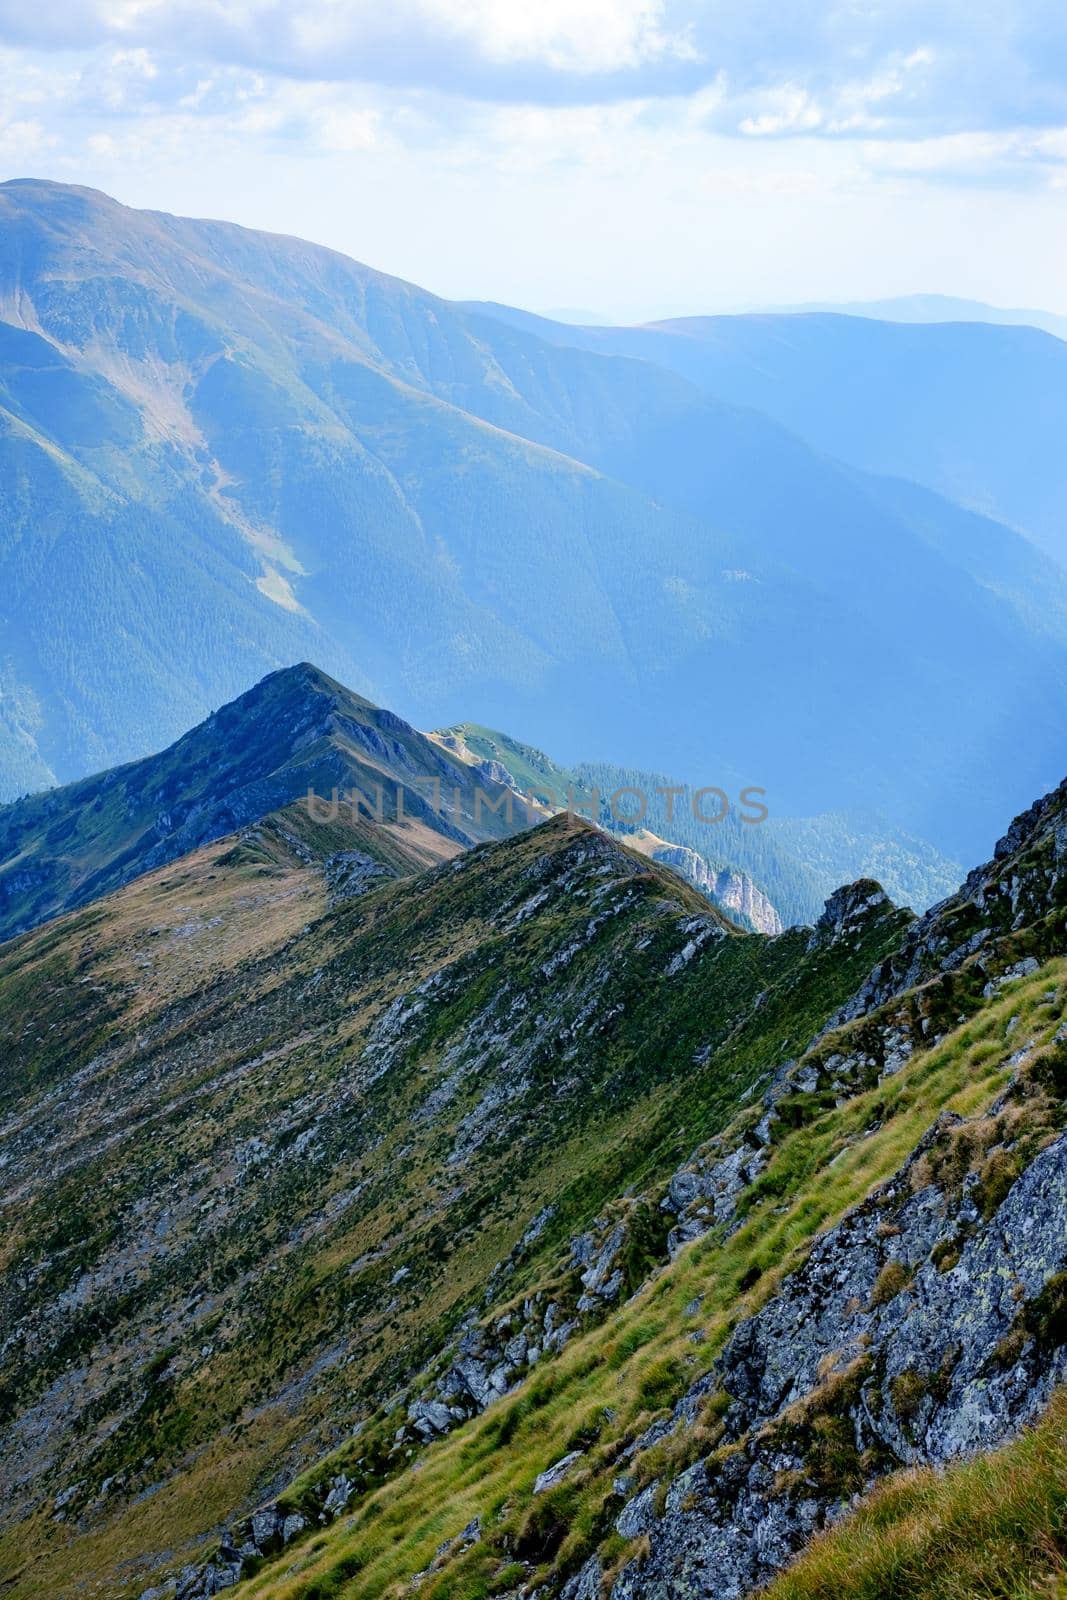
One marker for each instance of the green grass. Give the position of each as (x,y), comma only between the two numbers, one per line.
(642,1359)
(990,1529)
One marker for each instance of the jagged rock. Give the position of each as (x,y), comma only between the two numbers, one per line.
(709,1510)
(203,1582)
(266,1525)
(556,1473)
(585,1585)
(341,1490)
(431,1417)
(727,1528)
(846,909)
(350,873)
(727,887)
(1020,969)
(704,1194)
(638,1515)
(701,931)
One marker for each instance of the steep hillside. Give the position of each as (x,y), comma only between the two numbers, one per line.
(242,1210)
(964,407)
(224,451)
(864,1272)
(386,799)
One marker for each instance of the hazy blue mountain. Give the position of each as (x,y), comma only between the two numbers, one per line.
(932,308)
(974,411)
(223,451)
(579,315)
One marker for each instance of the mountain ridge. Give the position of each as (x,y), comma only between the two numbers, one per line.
(888,1338)
(726,1474)
(412,1007)
(316,469)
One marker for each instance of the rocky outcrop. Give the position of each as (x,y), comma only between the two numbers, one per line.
(927,1325)
(704,1193)
(1011,908)
(350,873)
(733,890)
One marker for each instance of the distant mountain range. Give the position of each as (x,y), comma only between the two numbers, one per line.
(968,409)
(928,308)
(223,451)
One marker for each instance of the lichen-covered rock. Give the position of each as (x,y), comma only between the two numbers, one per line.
(638,1515)
(704,1194)
(909,1356)
(556,1472)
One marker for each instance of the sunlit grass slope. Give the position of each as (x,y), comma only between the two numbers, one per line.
(607,1386)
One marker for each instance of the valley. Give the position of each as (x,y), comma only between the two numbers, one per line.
(279,454)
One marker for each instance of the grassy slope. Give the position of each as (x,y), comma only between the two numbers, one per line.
(294,1267)
(643,1358)
(990,1529)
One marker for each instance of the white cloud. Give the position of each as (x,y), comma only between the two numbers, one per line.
(568,35)
(428,41)
(23,137)
(346,130)
(587,36)
(788,110)
(599,148)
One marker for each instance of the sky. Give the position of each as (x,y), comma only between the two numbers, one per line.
(633,157)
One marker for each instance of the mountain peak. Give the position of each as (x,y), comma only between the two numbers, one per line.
(296,733)
(1034,822)
(850,907)
(301,687)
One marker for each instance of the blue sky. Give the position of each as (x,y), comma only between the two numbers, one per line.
(634,156)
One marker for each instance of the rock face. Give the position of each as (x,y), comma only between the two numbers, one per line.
(704,1193)
(735,891)
(1020,895)
(838,1379)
